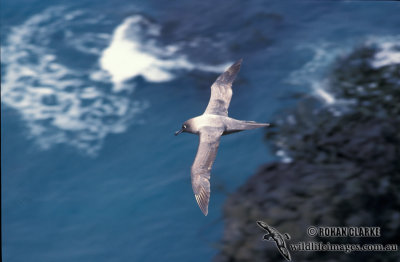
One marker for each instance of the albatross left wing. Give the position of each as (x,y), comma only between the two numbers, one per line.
(201,168)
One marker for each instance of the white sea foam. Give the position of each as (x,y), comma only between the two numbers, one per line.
(61,104)
(320,91)
(56,102)
(388,51)
(284,156)
(133,51)
(310,74)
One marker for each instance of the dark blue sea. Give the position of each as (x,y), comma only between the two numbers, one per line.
(92,92)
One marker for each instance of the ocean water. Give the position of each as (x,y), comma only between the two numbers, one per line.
(92,92)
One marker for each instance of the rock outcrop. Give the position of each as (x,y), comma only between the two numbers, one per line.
(342,169)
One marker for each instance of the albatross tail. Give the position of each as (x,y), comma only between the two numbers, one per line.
(252,125)
(234,125)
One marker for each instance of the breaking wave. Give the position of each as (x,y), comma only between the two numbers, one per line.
(56,101)
(134,45)
(313,73)
(80,101)
(388,50)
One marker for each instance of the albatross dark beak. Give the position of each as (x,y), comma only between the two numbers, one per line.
(178,132)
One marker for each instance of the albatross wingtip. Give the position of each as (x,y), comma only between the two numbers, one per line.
(202,200)
(230,74)
(238,62)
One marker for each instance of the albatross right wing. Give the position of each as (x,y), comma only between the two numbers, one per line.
(201,168)
(221,91)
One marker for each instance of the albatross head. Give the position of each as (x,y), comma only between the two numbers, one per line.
(186,127)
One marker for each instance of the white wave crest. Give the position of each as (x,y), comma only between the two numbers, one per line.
(388,51)
(57,102)
(310,74)
(133,51)
(80,107)
(324,54)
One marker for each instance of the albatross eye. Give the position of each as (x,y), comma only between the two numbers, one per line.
(184,126)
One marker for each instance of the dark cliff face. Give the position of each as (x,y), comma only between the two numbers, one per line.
(344,169)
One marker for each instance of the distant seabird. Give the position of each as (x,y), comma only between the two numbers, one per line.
(210,126)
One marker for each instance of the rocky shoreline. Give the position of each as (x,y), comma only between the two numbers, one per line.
(342,168)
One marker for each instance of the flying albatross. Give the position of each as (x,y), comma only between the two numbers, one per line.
(210,126)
